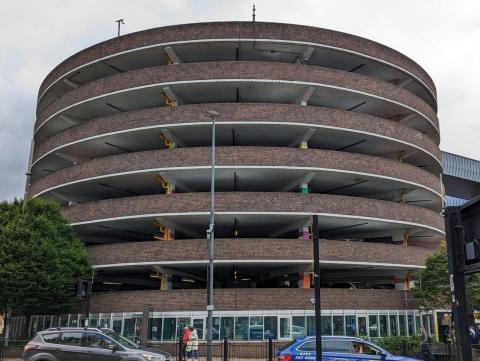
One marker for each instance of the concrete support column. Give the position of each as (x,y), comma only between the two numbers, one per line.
(304,280)
(402,283)
(304,188)
(397,236)
(304,233)
(165,282)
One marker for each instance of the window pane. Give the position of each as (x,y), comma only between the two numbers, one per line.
(410,325)
(96,340)
(40,324)
(431,325)
(216,328)
(74,321)
(310,326)
(270,327)
(169,327)
(373,325)
(129,328)
(401,321)
(256,328)
(383,326)
(198,324)
(71,338)
(241,328)
(362,326)
(298,326)
(285,327)
(326,325)
(47,322)
(350,326)
(50,338)
(93,322)
(182,322)
(417,323)
(117,325)
(155,329)
(338,326)
(105,322)
(64,321)
(226,329)
(425,322)
(393,325)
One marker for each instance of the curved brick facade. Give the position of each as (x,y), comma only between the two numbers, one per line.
(252,202)
(239,30)
(128,171)
(254,249)
(238,156)
(231,71)
(238,112)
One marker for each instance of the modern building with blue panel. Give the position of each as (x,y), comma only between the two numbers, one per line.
(461,178)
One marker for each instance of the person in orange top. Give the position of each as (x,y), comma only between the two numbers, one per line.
(186,336)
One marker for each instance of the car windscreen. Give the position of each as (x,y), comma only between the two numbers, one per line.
(287,345)
(122,340)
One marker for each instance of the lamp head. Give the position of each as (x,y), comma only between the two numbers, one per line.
(213,113)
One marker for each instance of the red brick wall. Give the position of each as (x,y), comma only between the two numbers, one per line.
(251,299)
(253,202)
(238,70)
(229,30)
(255,248)
(243,112)
(239,156)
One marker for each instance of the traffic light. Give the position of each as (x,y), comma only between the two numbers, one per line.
(84,289)
(472,252)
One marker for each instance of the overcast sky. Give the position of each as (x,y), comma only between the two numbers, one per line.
(442,36)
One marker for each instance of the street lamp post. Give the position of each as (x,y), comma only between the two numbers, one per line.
(316,282)
(211,236)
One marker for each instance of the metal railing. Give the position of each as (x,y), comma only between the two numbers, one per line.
(228,350)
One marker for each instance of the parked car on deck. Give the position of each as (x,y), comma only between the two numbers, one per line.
(336,348)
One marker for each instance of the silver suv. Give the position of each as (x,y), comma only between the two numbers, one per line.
(82,344)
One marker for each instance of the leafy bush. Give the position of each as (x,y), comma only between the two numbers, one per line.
(400,345)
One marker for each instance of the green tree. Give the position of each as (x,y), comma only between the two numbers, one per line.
(432,284)
(40,258)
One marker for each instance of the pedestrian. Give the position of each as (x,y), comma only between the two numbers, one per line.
(186,335)
(424,344)
(192,345)
(477,335)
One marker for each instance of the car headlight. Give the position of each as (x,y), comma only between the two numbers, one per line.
(151,357)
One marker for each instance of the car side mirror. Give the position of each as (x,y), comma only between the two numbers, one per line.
(114,348)
(383,356)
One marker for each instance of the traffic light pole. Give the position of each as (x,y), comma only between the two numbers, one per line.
(456,267)
(316,283)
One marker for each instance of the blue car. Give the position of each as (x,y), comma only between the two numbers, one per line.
(336,348)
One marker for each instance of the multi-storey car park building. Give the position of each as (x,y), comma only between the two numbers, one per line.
(311,121)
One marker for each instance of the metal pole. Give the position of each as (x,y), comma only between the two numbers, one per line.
(211,236)
(89,294)
(120,21)
(316,283)
(456,267)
